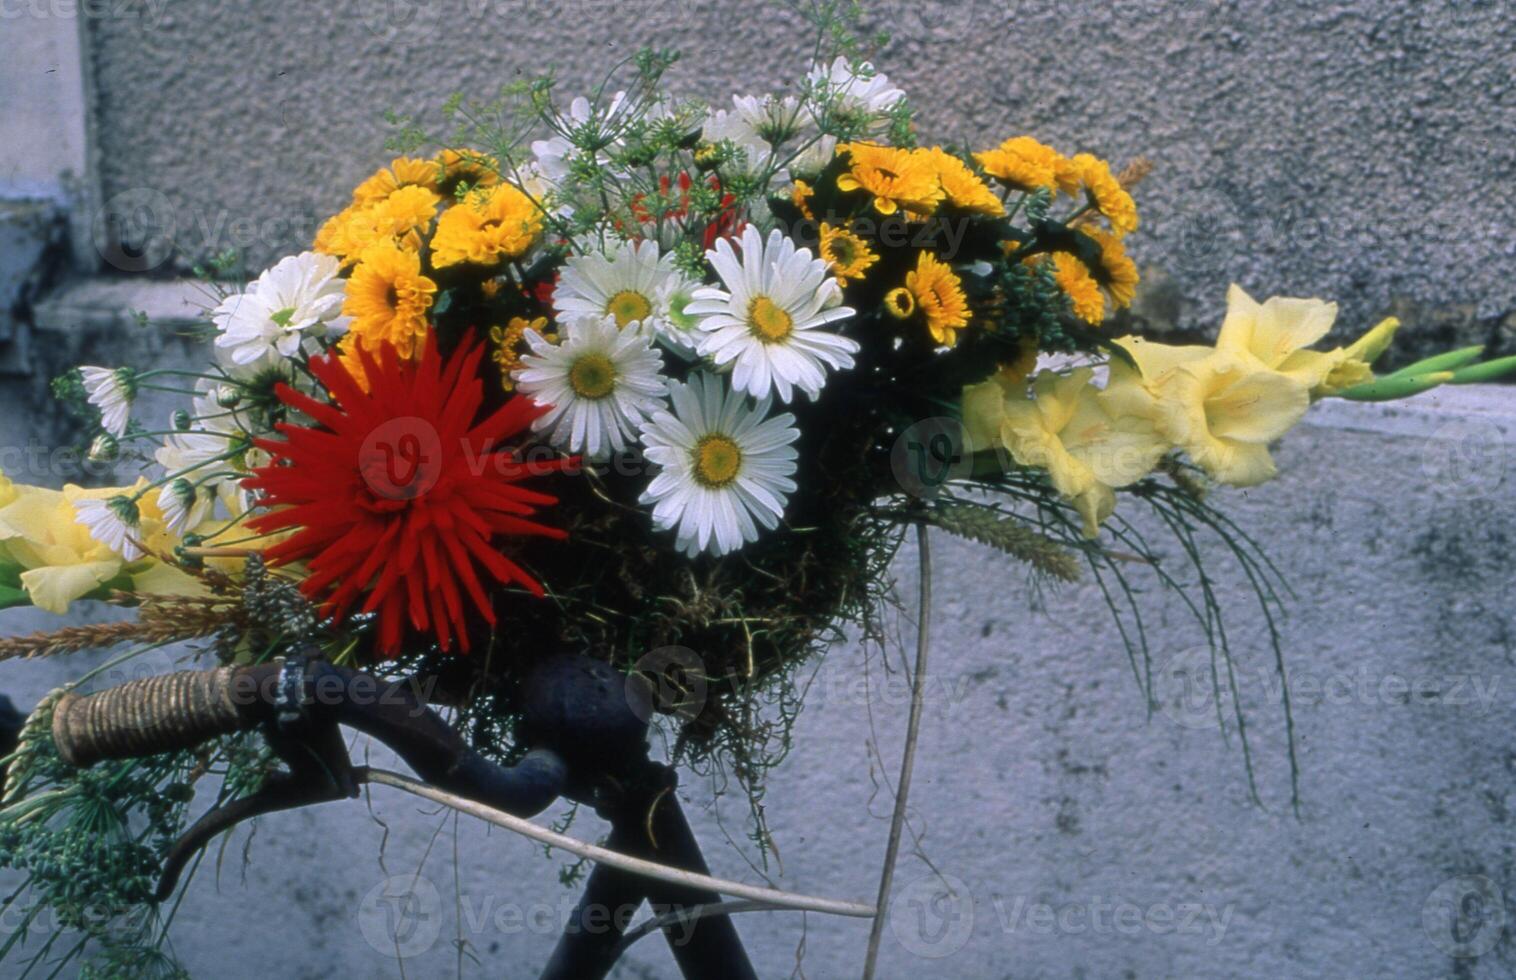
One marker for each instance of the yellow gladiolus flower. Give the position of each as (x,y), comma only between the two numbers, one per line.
(1088,444)
(61,561)
(1223,407)
(1353,368)
(1278,331)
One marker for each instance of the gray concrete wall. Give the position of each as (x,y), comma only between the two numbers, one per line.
(1083,838)
(1354,149)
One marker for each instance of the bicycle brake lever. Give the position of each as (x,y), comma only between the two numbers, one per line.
(320,771)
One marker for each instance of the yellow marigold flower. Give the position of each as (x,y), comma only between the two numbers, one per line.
(1022,162)
(1120,271)
(388,298)
(962,186)
(506,341)
(400,219)
(848,255)
(458,168)
(939,294)
(800,196)
(1088,444)
(1082,289)
(402,172)
(1066,175)
(488,226)
(1106,193)
(897,178)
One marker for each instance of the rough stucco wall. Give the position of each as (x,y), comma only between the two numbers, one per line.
(1085,839)
(1355,149)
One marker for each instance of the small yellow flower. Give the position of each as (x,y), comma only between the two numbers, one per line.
(1106,193)
(848,255)
(506,341)
(490,225)
(896,178)
(1121,276)
(1023,163)
(939,294)
(388,298)
(1082,289)
(962,186)
(899,303)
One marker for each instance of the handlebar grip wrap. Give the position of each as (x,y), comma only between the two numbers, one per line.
(146,716)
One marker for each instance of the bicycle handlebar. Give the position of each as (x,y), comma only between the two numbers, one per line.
(146,716)
(183,709)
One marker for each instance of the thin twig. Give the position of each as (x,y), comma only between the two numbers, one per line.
(908,757)
(615,859)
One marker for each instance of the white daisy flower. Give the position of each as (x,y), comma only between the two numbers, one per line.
(114,523)
(591,125)
(195,454)
(299,297)
(633,283)
(601,382)
(721,465)
(184,505)
(772,118)
(858,90)
(111,390)
(733,127)
(766,318)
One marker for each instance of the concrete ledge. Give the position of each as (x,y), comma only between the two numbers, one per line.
(94,302)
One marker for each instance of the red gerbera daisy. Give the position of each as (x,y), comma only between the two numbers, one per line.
(397,494)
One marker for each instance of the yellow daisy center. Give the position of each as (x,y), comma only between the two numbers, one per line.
(592,376)
(717,461)
(899,302)
(768,320)
(628,305)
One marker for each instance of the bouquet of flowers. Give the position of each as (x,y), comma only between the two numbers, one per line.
(635,373)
